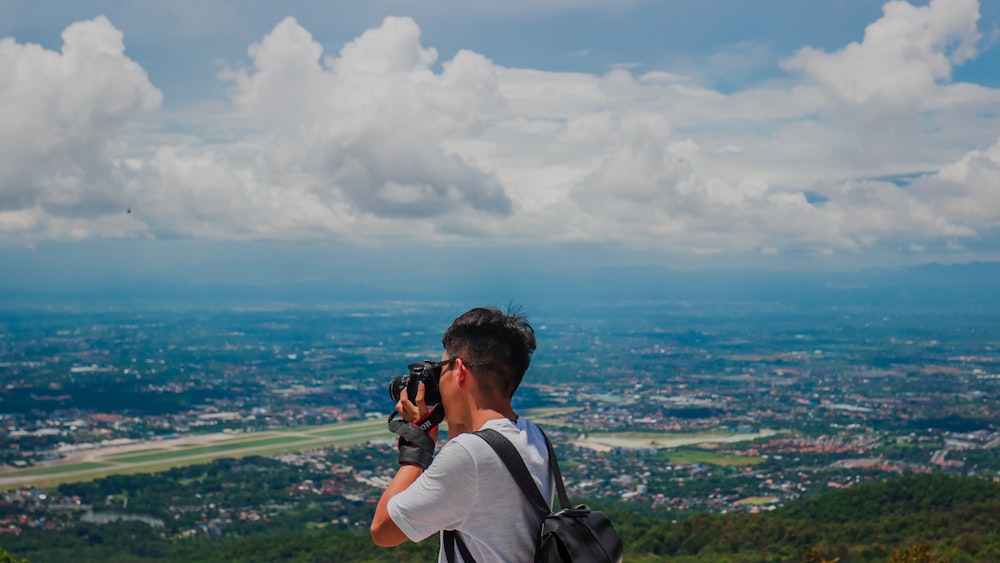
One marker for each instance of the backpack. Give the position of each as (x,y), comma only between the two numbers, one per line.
(573,534)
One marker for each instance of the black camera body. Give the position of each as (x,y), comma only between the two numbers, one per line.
(425,372)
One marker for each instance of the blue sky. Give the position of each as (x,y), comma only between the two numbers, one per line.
(773,134)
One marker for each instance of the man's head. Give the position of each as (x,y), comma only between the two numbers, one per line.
(497,346)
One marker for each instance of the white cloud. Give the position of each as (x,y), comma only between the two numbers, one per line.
(62,115)
(886,95)
(381,142)
(365,128)
(968,189)
(902,56)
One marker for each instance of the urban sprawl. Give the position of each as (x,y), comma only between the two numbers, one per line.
(659,407)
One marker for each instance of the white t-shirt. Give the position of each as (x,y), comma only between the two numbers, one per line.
(467,488)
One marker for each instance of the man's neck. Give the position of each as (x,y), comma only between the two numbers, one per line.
(482,416)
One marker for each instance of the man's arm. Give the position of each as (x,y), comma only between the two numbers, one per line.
(384,531)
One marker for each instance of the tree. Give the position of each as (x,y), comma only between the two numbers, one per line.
(813,555)
(916,554)
(6,557)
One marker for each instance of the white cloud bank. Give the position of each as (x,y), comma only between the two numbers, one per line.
(383,142)
(61,115)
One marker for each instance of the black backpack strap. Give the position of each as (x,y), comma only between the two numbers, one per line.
(510,457)
(515,464)
(556,474)
(451,539)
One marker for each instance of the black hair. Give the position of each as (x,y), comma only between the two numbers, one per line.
(496,344)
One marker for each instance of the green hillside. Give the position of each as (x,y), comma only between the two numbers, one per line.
(954,519)
(959,518)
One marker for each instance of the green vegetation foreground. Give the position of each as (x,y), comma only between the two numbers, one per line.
(949,518)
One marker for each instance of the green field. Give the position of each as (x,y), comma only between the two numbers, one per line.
(669,440)
(57,469)
(228,446)
(654,436)
(347,431)
(120,457)
(150,460)
(711,458)
(357,424)
(758,501)
(142,451)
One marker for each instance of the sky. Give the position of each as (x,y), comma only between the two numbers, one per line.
(223,137)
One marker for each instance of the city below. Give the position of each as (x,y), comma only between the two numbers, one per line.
(212,421)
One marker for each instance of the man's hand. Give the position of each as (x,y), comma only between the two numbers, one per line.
(418,431)
(411,411)
(414,411)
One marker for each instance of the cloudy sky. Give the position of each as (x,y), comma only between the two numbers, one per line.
(780,133)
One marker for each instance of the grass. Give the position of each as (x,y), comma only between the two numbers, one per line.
(758,501)
(653,436)
(348,431)
(550,411)
(668,440)
(608,398)
(252,444)
(552,416)
(124,456)
(228,446)
(711,458)
(146,450)
(317,429)
(56,469)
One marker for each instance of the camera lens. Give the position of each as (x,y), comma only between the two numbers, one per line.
(425,372)
(396,386)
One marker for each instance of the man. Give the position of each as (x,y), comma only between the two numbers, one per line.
(467,488)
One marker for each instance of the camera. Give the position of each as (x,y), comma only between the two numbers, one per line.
(425,372)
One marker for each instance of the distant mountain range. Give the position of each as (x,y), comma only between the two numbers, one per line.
(967,285)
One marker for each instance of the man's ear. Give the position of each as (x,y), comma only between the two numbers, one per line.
(462,373)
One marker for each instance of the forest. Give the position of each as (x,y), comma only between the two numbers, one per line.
(926,517)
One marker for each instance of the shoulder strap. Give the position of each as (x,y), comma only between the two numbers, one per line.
(556,474)
(515,464)
(451,539)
